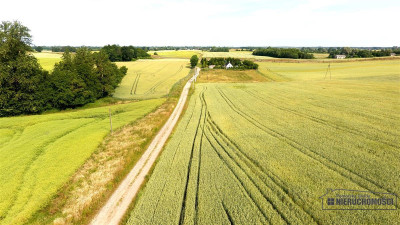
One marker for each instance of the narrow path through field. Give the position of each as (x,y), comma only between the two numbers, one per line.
(115,208)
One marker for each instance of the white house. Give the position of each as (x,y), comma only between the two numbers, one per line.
(392,54)
(211,66)
(229,65)
(340,56)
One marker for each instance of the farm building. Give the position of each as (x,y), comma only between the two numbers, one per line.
(229,65)
(211,66)
(340,56)
(392,54)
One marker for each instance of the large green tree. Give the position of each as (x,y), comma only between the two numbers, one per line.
(84,78)
(25,88)
(22,80)
(194,60)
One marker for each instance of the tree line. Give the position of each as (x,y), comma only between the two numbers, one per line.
(25,88)
(220,63)
(219,49)
(283,53)
(63,48)
(360,53)
(124,53)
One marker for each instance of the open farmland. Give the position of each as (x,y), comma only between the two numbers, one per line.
(234,54)
(375,71)
(182,54)
(48,59)
(38,154)
(260,153)
(150,78)
(320,55)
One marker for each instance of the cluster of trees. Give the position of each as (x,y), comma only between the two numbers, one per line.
(25,88)
(220,63)
(359,53)
(194,60)
(125,53)
(219,49)
(283,53)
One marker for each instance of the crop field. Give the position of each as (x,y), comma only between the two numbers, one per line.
(263,153)
(39,153)
(47,59)
(150,78)
(222,76)
(320,55)
(183,54)
(234,54)
(376,71)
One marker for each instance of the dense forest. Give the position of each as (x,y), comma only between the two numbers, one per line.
(25,88)
(283,53)
(125,53)
(220,63)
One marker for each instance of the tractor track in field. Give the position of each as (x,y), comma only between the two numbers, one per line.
(244,190)
(324,122)
(269,180)
(115,208)
(359,179)
(135,84)
(40,150)
(152,90)
(189,174)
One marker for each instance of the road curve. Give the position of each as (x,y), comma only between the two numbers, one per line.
(115,208)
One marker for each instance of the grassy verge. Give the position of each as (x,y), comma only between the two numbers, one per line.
(90,187)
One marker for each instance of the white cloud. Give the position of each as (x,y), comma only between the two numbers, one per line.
(224,23)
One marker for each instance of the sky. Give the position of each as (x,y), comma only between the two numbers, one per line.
(352,23)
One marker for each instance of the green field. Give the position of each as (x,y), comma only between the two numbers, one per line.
(183,54)
(234,54)
(150,78)
(39,153)
(47,59)
(263,153)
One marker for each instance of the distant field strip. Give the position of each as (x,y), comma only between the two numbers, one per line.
(183,54)
(375,71)
(234,54)
(38,154)
(263,153)
(150,78)
(47,59)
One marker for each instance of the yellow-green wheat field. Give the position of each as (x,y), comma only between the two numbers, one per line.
(47,59)
(263,153)
(150,78)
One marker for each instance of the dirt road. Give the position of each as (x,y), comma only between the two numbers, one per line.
(115,208)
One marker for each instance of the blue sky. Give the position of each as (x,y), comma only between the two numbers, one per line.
(209,22)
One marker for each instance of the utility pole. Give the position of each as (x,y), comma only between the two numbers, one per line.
(330,73)
(109,111)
